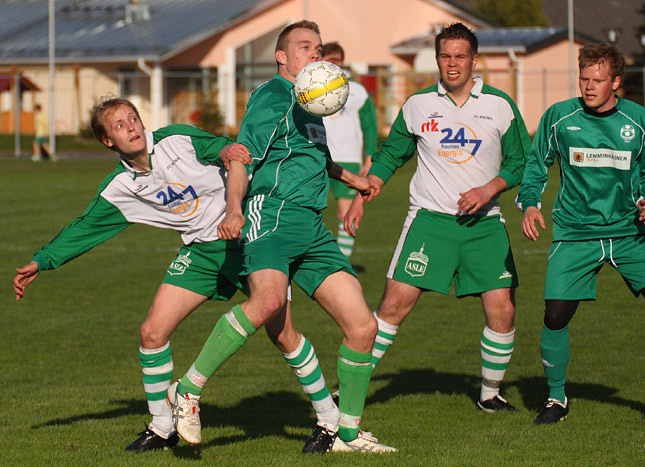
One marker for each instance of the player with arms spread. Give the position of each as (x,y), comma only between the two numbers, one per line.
(277,214)
(598,141)
(463,130)
(171,178)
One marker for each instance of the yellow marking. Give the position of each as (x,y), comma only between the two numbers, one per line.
(313,94)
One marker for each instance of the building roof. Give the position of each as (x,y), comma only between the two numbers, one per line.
(593,18)
(115,30)
(493,40)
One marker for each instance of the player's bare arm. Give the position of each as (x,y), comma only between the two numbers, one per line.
(641,210)
(236,184)
(472,200)
(235,152)
(529,229)
(352,180)
(25,275)
(352,220)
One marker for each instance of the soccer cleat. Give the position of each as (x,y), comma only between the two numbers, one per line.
(185,414)
(554,411)
(496,404)
(365,442)
(148,440)
(320,441)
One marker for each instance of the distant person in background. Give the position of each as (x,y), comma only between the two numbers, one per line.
(351,133)
(42,151)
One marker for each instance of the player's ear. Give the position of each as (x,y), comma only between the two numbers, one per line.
(475,57)
(281,57)
(107,142)
(616,83)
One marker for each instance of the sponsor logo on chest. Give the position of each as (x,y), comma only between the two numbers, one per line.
(458,142)
(593,157)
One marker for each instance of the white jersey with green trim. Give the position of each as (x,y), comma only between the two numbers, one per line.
(182,192)
(459,148)
(344,133)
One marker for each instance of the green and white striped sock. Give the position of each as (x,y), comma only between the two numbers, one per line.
(157,369)
(496,350)
(354,373)
(384,339)
(305,365)
(345,241)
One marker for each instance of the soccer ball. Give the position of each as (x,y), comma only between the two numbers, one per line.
(321,88)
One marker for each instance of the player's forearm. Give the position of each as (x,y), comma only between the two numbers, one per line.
(237,182)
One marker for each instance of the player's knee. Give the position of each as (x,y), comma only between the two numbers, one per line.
(361,336)
(151,336)
(267,305)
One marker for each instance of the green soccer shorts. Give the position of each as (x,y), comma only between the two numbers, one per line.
(283,236)
(338,188)
(573,267)
(211,269)
(434,249)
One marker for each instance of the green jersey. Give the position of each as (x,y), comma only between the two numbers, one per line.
(602,169)
(288,147)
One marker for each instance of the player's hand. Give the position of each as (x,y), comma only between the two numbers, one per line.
(235,152)
(231,226)
(529,229)
(26,274)
(472,200)
(352,220)
(641,210)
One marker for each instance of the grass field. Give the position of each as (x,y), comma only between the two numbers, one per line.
(71,381)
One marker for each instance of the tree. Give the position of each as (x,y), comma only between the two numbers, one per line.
(512,12)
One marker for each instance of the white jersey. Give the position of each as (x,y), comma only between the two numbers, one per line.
(183,192)
(459,148)
(347,128)
(180,193)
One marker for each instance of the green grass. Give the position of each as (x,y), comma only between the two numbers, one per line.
(71,381)
(65,144)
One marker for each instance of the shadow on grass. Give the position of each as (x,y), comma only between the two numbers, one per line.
(256,417)
(533,390)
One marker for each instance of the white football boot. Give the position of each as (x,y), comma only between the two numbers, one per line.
(365,442)
(185,414)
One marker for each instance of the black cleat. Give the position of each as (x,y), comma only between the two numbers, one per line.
(149,440)
(553,412)
(496,404)
(320,441)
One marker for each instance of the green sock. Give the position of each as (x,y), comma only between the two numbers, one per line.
(554,346)
(384,339)
(231,332)
(354,373)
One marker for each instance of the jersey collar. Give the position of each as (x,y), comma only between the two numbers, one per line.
(150,148)
(474,92)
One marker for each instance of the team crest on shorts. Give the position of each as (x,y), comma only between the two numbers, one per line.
(179,265)
(417,263)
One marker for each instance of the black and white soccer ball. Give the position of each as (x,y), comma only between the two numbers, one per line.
(321,88)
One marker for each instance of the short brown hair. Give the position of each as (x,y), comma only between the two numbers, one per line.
(100,109)
(592,54)
(456,31)
(332,48)
(283,38)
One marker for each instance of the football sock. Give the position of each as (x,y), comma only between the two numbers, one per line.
(230,333)
(304,363)
(384,339)
(354,373)
(554,346)
(157,369)
(345,241)
(496,350)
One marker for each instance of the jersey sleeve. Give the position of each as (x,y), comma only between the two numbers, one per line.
(399,148)
(259,126)
(369,126)
(207,146)
(516,145)
(539,160)
(100,222)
